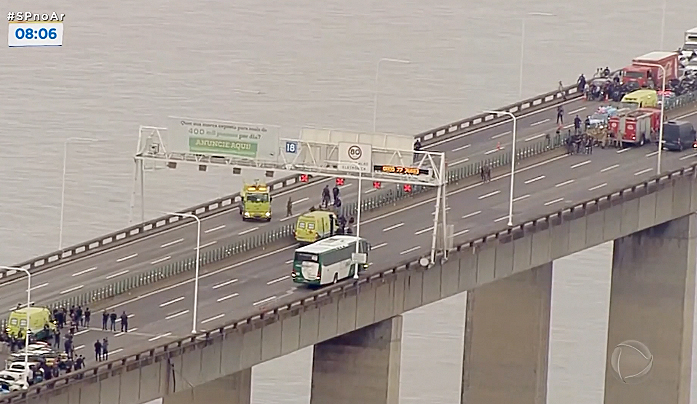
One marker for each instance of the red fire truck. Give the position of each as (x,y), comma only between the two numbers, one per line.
(636,127)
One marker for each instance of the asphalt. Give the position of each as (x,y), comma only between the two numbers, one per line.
(167,246)
(238,288)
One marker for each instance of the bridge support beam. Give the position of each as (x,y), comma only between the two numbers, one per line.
(507,340)
(652,301)
(231,389)
(359,367)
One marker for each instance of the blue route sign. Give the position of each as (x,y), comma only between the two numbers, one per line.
(291,147)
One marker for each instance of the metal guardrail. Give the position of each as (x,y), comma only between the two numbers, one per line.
(229,202)
(317,297)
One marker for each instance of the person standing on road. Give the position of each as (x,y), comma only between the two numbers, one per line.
(87,317)
(560,115)
(124,322)
(577,125)
(57,339)
(113,318)
(289,207)
(98,351)
(105,349)
(105,319)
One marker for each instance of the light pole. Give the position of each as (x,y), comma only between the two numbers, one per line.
(377,74)
(663,22)
(198,250)
(515,129)
(522,48)
(65,163)
(663,109)
(26,332)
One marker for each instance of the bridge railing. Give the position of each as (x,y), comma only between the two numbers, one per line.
(316,298)
(231,201)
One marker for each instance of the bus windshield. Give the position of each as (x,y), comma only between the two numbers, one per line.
(257,198)
(299,257)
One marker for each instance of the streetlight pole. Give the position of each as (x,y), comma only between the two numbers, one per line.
(377,74)
(522,48)
(26,332)
(513,153)
(358,219)
(663,110)
(65,164)
(663,22)
(198,250)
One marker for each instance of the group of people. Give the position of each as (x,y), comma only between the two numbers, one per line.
(579,143)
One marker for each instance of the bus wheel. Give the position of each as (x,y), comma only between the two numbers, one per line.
(336,278)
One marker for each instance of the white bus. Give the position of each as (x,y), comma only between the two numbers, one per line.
(327,261)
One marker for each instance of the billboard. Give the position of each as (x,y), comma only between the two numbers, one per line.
(223,138)
(355,157)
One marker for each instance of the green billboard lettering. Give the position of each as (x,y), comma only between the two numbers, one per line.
(220,146)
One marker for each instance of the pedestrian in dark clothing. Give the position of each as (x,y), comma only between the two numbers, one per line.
(335,192)
(124,322)
(79,363)
(326,197)
(105,349)
(88,314)
(482,173)
(68,345)
(98,351)
(57,339)
(560,115)
(78,314)
(577,125)
(417,145)
(105,319)
(289,208)
(113,318)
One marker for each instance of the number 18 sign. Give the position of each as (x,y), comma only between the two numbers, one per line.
(35,34)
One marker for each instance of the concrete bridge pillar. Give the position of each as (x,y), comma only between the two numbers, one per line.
(652,301)
(507,340)
(231,389)
(359,367)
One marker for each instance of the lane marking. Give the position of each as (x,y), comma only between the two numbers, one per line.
(114,352)
(652,154)
(370,191)
(581,164)
(118,320)
(489,194)
(460,162)
(288,262)
(461,148)
(283,278)
(499,135)
(222,226)
(77,348)
(531,138)
(493,151)
(86,330)
(622,150)
(163,259)
(576,110)
(540,122)
(301,200)
(612,167)
(268,299)
(346,186)
(155,338)
(38,286)
(554,201)
(222,299)
(202,246)
(520,198)
(181,313)
(688,156)
(471,214)
(290,217)
(230,282)
(242,233)
(125,271)
(396,226)
(597,186)
(208,320)
(501,219)
(644,171)
(561,184)
(123,333)
(461,232)
(128,257)
(84,271)
(530,181)
(171,243)
(422,231)
(410,250)
(378,246)
(179,299)
(72,289)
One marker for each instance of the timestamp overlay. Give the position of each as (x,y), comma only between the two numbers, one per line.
(34,29)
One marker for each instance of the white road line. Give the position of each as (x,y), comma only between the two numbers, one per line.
(622,150)
(561,184)
(222,226)
(118,320)
(489,194)
(520,198)
(471,214)
(84,271)
(501,219)
(160,336)
(301,200)
(370,191)
(220,285)
(531,138)
(181,313)
(125,271)
(77,348)
(346,186)
(222,299)
(72,289)
(290,217)
(283,278)
(459,162)
(39,286)
(612,167)
(576,110)
(422,231)
(115,351)
(554,201)
(288,262)
(644,171)
(531,180)
(688,156)
(410,250)
(81,332)
(179,299)
(378,246)
(492,151)
(652,154)
(208,320)
(163,259)
(461,148)
(171,243)
(500,135)
(123,333)
(268,299)
(396,226)
(242,233)
(202,246)
(597,186)
(540,122)
(581,164)
(128,257)
(461,232)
